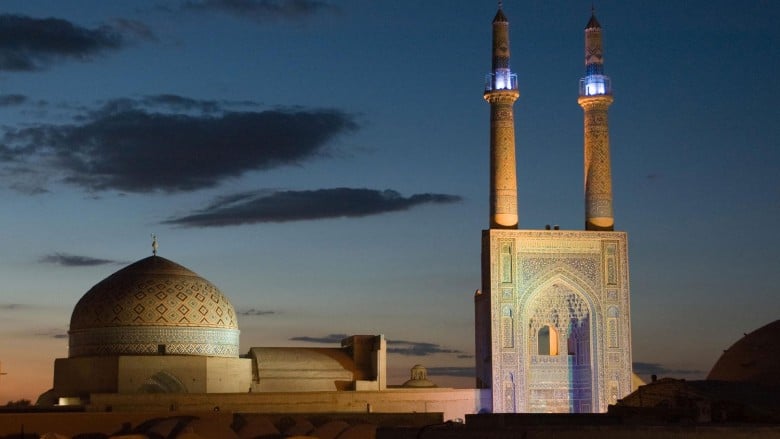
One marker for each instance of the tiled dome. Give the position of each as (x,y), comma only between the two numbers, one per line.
(154,306)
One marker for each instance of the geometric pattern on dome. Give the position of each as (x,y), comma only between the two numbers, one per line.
(144,340)
(154,292)
(150,303)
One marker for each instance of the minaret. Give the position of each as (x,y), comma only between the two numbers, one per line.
(501,92)
(595,99)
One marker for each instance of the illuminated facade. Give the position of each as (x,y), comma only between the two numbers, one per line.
(552,317)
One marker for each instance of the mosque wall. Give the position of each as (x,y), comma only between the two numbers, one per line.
(227,375)
(453,403)
(82,376)
(150,373)
(183,374)
(359,364)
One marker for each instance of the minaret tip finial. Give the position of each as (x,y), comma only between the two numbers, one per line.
(500,4)
(154,245)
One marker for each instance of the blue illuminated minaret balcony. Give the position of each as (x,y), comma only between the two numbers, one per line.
(595,82)
(500,80)
(595,85)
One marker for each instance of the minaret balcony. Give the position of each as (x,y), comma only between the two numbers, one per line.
(595,85)
(500,81)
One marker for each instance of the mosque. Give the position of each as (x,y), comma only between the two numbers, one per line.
(552,320)
(553,328)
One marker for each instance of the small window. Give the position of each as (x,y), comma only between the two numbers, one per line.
(161,349)
(548,341)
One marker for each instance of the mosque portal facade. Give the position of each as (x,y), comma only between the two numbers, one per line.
(552,317)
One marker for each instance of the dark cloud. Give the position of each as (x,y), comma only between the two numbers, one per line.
(284,206)
(330,338)
(52,333)
(9,100)
(134,27)
(401,347)
(255,312)
(13,306)
(181,103)
(169,102)
(262,11)
(417,349)
(641,368)
(67,260)
(29,44)
(22,179)
(125,146)
(452,371)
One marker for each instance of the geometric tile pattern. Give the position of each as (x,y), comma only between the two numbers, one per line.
(154,302)
(145,340)
(599,214)
(577,284)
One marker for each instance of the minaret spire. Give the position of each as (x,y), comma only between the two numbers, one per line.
(501,93)
(595,99)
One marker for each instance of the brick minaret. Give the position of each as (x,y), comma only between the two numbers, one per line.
(501,92)
(595,99)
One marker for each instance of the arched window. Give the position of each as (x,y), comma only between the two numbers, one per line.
(548,340)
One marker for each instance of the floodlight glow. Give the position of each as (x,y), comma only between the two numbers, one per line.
(501,80)
(595,85)
(594,88)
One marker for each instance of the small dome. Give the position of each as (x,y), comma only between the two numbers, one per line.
(154,306)
(754,358)
(419,378)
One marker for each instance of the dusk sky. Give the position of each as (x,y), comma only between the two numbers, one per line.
(325,164)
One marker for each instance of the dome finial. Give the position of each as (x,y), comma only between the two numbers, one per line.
(154,245)
(500,4)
